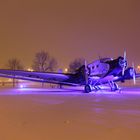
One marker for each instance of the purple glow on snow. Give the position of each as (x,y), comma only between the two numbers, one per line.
(21,86)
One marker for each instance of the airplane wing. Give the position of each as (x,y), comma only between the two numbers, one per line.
(56,78)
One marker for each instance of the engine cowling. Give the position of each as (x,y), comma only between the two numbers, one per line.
(122,62)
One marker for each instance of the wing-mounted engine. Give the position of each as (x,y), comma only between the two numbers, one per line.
(129,73)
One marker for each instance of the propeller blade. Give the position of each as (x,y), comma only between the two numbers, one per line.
(86,72)
(123,71)
(124,56)
(134,78)
(134,74)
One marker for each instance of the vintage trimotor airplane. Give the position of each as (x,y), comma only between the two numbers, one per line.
(102,71)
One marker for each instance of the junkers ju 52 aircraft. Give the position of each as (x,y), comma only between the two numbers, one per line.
(103,71)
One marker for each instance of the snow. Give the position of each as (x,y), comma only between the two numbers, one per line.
(69,114)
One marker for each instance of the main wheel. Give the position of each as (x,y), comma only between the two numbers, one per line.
(88,88)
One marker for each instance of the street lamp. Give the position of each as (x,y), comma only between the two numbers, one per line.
(138,67)
(65,70)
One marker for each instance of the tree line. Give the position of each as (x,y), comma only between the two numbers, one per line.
(44,62)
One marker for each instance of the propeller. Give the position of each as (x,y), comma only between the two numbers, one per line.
(124,66)
(134,74)
(86,73)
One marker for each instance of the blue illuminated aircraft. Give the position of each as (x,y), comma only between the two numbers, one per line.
(105,71)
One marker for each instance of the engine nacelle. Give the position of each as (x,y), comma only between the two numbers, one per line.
(129,73)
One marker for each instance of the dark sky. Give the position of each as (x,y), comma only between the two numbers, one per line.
(68,29)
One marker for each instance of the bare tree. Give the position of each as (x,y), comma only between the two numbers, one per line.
(14,64)
(76,64)
(43,62)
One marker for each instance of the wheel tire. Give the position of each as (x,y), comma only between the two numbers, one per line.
(87,88)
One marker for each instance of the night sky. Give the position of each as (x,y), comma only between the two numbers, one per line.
(68,29)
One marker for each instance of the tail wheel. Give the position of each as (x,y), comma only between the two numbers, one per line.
(88,88)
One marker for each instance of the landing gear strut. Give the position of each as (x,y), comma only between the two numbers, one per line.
(113,86)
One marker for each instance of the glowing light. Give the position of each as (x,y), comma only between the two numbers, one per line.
(29,69)
(22,86)
(138,67)
(9,80)
(65,70)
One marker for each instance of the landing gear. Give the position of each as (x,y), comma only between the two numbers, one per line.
(113,86)
(97,88)
(88,88)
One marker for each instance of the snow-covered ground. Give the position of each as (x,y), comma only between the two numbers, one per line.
(69,114)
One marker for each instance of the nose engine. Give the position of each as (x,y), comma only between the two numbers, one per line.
(122,62)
